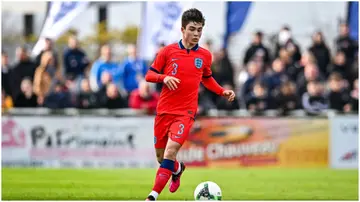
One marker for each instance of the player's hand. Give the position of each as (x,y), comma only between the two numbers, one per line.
(229,94)
(171,81)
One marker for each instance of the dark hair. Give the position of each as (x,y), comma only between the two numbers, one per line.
(192,15)
(260,83)
(259,34)
(286,27)
(335,76)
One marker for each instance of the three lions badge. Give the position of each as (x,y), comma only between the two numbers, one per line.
(198,63)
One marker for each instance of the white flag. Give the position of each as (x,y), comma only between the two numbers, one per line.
(161,23)
(58,20)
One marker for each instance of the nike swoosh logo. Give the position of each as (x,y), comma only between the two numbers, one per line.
(177,136)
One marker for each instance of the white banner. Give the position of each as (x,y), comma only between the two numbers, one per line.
(78,142)
(60,16)
(161,23)
(344,142)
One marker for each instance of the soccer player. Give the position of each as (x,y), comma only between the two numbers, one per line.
(181,67)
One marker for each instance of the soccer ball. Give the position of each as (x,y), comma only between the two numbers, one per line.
(207,191)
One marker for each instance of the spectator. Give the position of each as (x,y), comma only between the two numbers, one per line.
(144,98)
(259,100)
(24,68)
(26,98)
(339,98)
(75,60)
(257,51)
(311,73)
(278,75)
(223,71)
(60,98)
(347,45)
(113,99)
(355,97)
(254,72)
(208,45)
(314,101)
(298,68)
(205,102)
(286,41)
(6,101)
(321,52)
(45,76)
(5,73)
(104,63)
(224,104)
(133,70)
(287,99)
(86,98)
(48,46)
(340,66)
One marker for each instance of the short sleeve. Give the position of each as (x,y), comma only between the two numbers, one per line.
(159,62)
(207,68)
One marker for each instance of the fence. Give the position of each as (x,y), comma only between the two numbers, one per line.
(124,139)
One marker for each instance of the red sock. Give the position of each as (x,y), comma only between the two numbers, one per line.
(176,166)
(162,177)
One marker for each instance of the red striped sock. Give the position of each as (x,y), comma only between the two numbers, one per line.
(176,167)
(162,177)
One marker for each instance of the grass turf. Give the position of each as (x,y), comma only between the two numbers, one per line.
(136,184)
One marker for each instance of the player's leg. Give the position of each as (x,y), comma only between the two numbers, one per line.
(162,124)
(168,165)
(179,133)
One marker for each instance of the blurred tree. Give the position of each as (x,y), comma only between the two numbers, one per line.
(63,39)
(129,35)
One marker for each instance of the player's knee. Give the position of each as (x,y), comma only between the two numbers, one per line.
(170,153)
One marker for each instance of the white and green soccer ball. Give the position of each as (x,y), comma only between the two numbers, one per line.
(207,191)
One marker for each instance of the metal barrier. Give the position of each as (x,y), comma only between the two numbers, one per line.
(136,112)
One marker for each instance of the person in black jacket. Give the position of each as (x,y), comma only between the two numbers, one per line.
(286,41)
(86,98)
(345,44)
(75,60)
(5,73)
(27,97)
(222,69)
(113,99)
(355,97)
(257,51)
(339,98)
(260,99)
(287,99)
(321,52)
(24,68)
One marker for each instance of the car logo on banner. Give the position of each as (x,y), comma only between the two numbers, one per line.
(351,155)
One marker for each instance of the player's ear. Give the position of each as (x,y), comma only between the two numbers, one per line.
(183,30)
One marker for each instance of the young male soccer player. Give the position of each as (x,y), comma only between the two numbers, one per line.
(181,67)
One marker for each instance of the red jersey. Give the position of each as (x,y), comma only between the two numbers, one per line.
(188,65)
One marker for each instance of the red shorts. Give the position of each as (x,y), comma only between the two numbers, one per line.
(177,127)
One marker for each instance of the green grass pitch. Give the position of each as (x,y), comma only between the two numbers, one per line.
(136,184)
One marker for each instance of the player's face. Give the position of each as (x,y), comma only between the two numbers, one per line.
(192,32)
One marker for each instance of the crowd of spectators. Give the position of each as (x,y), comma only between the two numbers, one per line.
(285,79)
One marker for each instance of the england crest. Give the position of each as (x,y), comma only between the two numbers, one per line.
(198,63)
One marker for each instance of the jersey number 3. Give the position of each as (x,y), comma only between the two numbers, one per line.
(175,66)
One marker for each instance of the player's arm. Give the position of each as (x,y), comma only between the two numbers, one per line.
(210,83)
(154,75)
